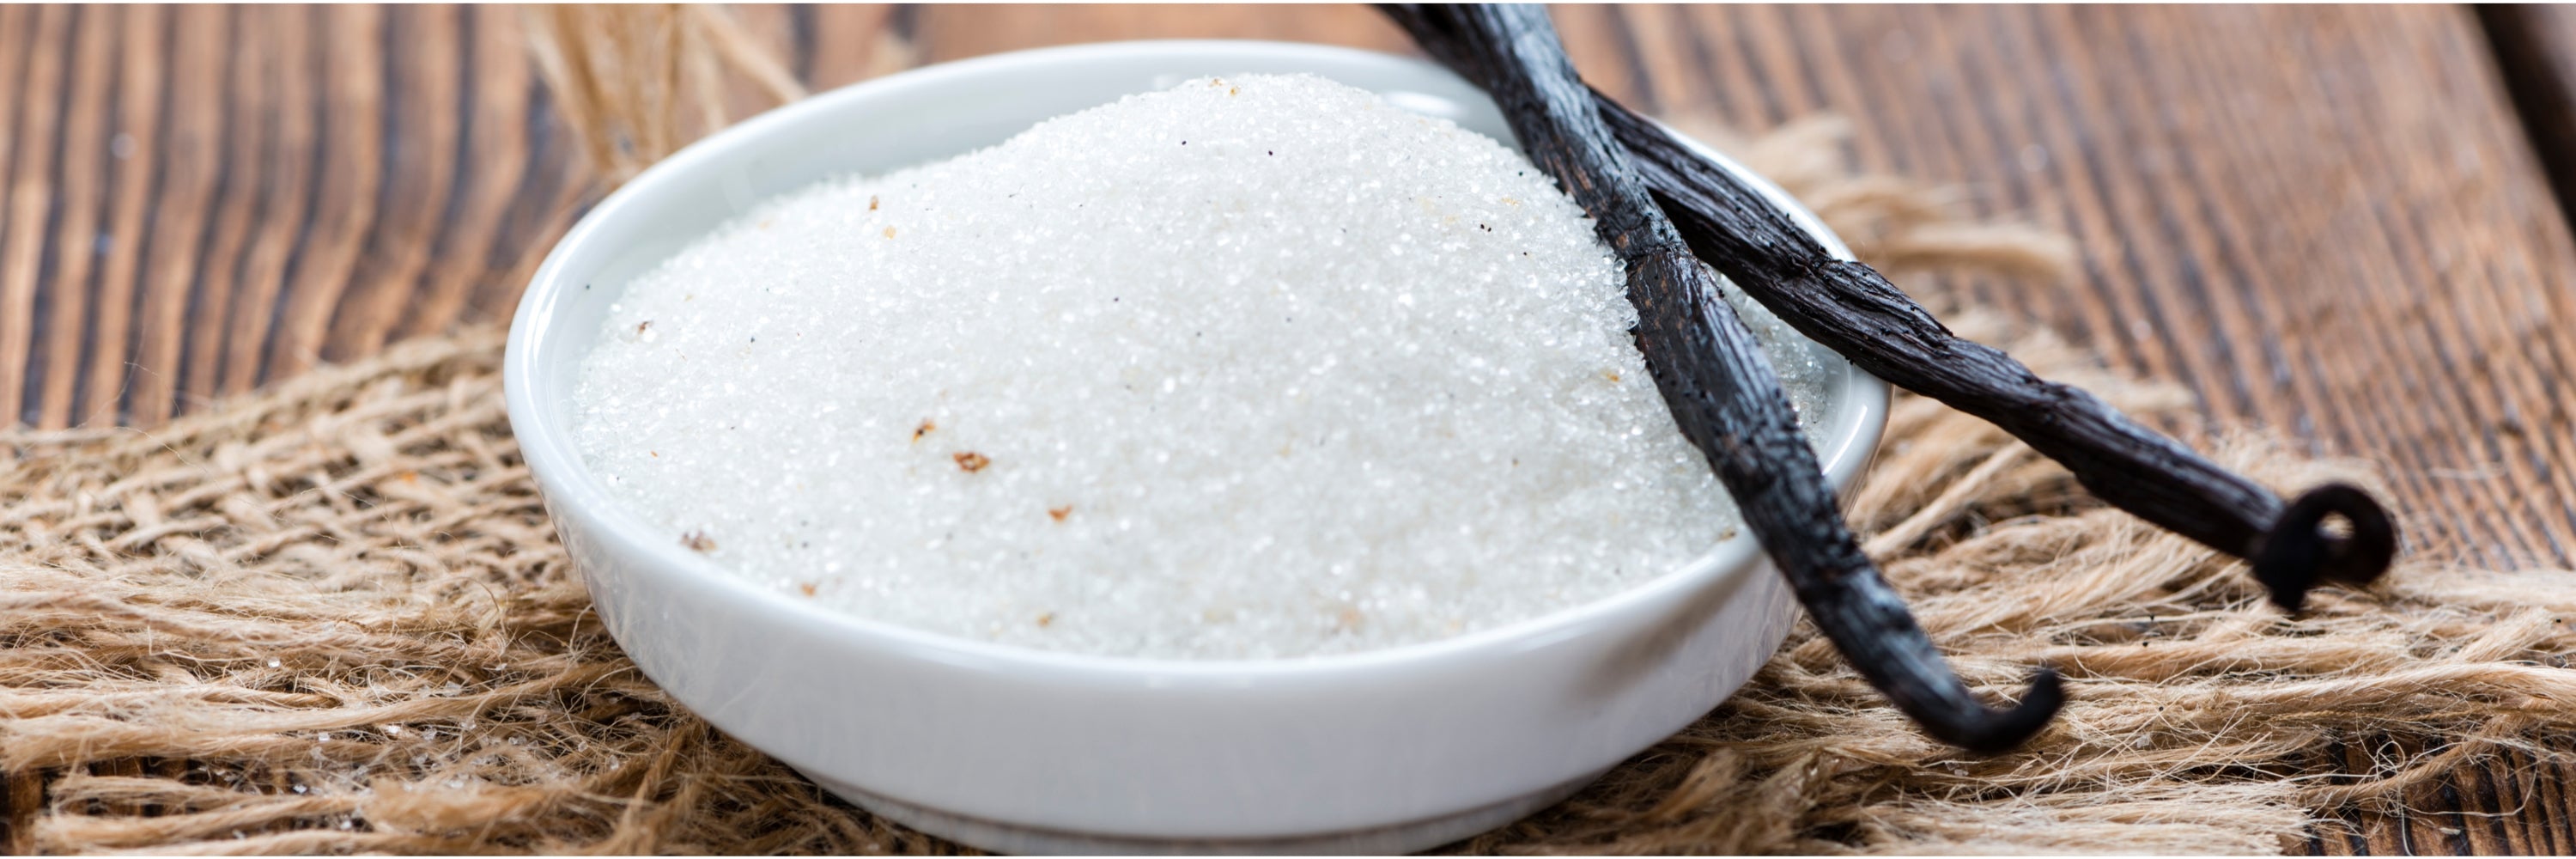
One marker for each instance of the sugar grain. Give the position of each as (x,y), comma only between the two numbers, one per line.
(1255,367)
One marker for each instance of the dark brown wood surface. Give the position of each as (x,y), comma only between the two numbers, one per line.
(2332,221)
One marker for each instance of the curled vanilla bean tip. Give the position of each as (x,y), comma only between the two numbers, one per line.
(2298,552)
(1987,731)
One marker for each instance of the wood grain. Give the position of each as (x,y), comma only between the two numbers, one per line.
(187,217)
(2330,221)
(38,39)
(2307,233)
(2535,47)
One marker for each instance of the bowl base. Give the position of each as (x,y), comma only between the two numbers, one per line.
(1007,838)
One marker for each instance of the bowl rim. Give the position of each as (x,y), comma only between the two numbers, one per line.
(565,481)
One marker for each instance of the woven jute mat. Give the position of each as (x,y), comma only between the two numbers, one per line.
(332,617)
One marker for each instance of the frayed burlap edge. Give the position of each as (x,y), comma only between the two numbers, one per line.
(331,617)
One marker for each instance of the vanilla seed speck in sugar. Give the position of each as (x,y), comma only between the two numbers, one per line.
(1254,367)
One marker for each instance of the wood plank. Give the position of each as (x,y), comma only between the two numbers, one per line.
(497,169)
(422,156)
(350,123)
(43,49)
(2535,47)
(288,78)
(79,194)
(952,32)
(142,78)
(2268,225)
(181,219)
(245,125)
(549,182)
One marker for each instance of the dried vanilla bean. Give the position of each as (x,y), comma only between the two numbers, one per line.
(1721,389)
(1853,310)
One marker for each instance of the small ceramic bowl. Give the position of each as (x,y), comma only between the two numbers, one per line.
(1019,750)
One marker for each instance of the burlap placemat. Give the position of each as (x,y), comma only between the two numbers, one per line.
(332,617)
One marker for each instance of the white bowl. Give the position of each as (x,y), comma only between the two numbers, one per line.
(1019,750)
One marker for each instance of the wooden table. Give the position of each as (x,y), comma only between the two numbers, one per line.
(2337,222)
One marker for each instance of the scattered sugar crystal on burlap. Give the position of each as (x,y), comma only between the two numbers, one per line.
(1257,366)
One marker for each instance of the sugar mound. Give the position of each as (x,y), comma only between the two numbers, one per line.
(1254,367)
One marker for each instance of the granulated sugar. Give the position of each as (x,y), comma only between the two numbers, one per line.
(1254,367)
